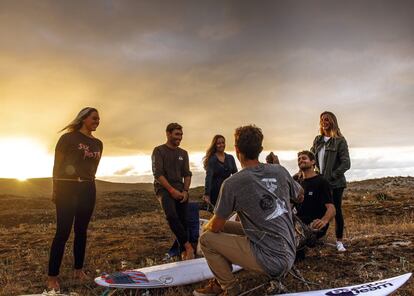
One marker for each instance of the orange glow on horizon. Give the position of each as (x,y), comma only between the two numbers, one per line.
(23,158)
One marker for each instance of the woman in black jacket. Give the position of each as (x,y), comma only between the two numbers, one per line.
(219,166)
(332,160)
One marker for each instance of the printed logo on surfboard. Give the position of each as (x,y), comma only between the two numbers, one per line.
(360,289)
(166,279)
(126,277)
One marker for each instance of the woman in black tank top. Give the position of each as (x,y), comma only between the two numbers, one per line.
(77,156)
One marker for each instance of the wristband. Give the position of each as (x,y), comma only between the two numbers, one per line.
(170,190)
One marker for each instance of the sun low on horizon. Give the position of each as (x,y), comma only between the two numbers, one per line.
(277,65)
(23,158)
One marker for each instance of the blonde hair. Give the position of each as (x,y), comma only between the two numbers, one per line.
(77,123)
(211,150)
(334,131)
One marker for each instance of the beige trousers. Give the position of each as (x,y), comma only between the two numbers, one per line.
(223,249)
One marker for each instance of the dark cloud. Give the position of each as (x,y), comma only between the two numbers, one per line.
(211,65)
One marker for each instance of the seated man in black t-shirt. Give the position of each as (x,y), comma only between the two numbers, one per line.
(317,209)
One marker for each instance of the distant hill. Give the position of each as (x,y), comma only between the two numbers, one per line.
(43,187)
(382,183)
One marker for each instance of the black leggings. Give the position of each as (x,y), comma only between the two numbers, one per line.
(74,206)
(176,214)
(339,219)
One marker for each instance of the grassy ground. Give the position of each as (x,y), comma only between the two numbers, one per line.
(129,226)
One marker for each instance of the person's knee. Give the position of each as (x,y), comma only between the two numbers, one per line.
(169,209)
(172,217)
(62,235)
(81,231)
(206,238)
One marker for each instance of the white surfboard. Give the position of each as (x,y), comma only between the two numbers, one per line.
(159,276)
(378,288)
(53,293)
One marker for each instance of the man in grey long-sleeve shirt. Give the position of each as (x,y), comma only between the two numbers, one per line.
(172,178)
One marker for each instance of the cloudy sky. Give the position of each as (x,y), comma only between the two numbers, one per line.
(212,66)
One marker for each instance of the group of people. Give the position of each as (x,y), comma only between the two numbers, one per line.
(264,196)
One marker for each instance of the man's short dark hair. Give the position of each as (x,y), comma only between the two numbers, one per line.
(308,154)
(173,126)
(248,140)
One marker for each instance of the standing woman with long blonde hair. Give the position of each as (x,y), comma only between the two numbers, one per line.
(332,160)
(219,166)
(77,156)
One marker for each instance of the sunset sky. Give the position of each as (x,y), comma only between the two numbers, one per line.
(211,66)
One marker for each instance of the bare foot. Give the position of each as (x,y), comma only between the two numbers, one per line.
(190,255)
(79,274)
(187,255)
(189,252)
(53,283)
(183,255)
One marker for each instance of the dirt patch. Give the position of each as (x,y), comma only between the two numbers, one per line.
(129,227)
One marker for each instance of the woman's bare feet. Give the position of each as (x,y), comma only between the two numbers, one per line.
(188,254)
(79,274)
(53,283)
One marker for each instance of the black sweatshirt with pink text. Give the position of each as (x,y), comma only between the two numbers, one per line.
(77,156)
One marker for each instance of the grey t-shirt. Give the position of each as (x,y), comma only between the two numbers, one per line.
(261,197)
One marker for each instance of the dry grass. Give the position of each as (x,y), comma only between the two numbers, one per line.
(129,226)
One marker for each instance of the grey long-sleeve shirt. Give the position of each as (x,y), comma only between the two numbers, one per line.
(172,163)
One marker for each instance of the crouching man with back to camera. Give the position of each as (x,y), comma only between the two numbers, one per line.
(264,239)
